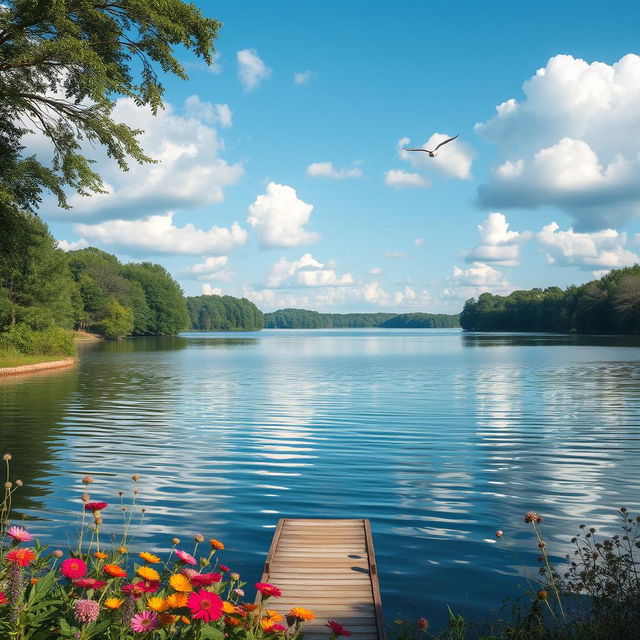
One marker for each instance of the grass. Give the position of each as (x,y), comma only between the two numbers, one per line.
(21,359)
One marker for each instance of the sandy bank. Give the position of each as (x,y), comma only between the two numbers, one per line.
(39,366)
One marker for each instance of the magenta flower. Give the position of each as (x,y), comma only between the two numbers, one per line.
(187,558)
(86,611)
(205,579)
(19,534)
(145,621)
(95,506)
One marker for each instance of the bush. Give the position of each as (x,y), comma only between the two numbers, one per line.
(53,341)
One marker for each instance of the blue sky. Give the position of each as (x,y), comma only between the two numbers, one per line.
(552,177)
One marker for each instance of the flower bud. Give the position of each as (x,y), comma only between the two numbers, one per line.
(8,485)
(499,534)
(57,553)
(175,540)
(98,519)
(19,483)
(234,576)
(87,480)
(84,497)
(6,457)
(199,538)
(135,477)
(423,624)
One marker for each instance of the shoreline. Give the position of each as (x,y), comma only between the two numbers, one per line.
(39,366)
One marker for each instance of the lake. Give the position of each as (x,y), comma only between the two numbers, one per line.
(437,436)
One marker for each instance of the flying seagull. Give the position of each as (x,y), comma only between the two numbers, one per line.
(433,153)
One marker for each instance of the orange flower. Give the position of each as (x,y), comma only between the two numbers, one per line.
(232,622)
(176,600)
(166,619)
(147,573)
(185,620)
(34,580)
(300,613)
(113,603)
(115,571)
(250,607)
(227,607)
(156,603)
(100,555)
(122,549)
(216,544)
(149,557)
(180,583)
(272,617)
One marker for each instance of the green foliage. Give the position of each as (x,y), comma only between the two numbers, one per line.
(117,321)
(64,63)
(53,341)
(224,313)
(608,305)
(304,319)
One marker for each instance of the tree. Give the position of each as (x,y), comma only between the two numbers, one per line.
(117,321)
(64,63)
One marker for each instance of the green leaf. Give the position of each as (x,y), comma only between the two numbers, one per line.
(211,633)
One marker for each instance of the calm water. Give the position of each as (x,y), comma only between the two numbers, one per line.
(439,438)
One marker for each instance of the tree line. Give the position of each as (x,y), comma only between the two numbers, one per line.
(306,319)
(610,304)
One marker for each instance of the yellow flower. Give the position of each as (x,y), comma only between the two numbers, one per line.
(180,583)
(100,555)
(147,573)
(270,618)
(113,603)
(227,607)
(149,557)
(175,601)
(216,544)
(156,603)
(300,613)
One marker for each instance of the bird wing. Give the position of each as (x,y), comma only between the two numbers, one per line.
(420,149)
(445,142)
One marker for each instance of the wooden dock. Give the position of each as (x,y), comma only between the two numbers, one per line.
(329,567)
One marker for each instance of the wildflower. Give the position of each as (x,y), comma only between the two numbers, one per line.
(149,557)
(533,517)
(274,627)
(338,630)
(270,618)
(95,506)
(223,567)
(136,589)
(180,583)
(205,579)
(114,570)
(542,594)
(21,557)
(73,568)
(147,573)
(499,534)
(176,600)
(239,592)
(100,555)
(89,583)
(300,613)
(205,605)
(185,557)
(19,534)
(86,611)
(267,590)
(113,603)
(216,544)
(145,621)
(423,624)
(157,604)
(3,598)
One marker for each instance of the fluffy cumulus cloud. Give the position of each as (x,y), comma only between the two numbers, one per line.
(251,69)
(208,290)
(400,179)
(213,268)
(573,141)
(476,279)
(453,160)
(327,170)
(188,172)
(279,217)
(605,249)
(158,235)
(305,272)
(66,245)
(209,112)
(302,77)
(498,244)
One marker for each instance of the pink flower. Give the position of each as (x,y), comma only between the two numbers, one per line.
(205,579)
(239,592)
(3,598)
(223,567)
(89,583)
(19,534)
(187,558)
(86,611)
(205,605)
(338,629)
(73,568)
(274,628)
(145,621)
(95,506)
(268,590)
(499,533)
(21,557)
(136,589)
(188,573)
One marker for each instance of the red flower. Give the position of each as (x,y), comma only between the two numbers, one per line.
(205,605)
(274,628)
(21,557)
(73,568)
(205,579)
(95,506)
(223,567)
(89,583)
(136,589)
(337,628)
(268,590)
(3,598)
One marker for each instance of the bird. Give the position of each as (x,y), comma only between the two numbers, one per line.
(433,153)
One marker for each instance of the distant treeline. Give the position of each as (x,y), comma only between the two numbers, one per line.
(223,313)
(305,319)
(608,305)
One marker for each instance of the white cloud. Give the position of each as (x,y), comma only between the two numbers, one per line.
(498,244)
(419,242)
(65,245)
(478,278)
(605,249)
(208,112)
(306,272)
(303,77)
(208,290)
(395,255)
(189,172)
(211,269)
(279,217)
(572,142)
(400,179)
(251,69)
(327,170)
(157,234)
(375,271)
(453,160)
